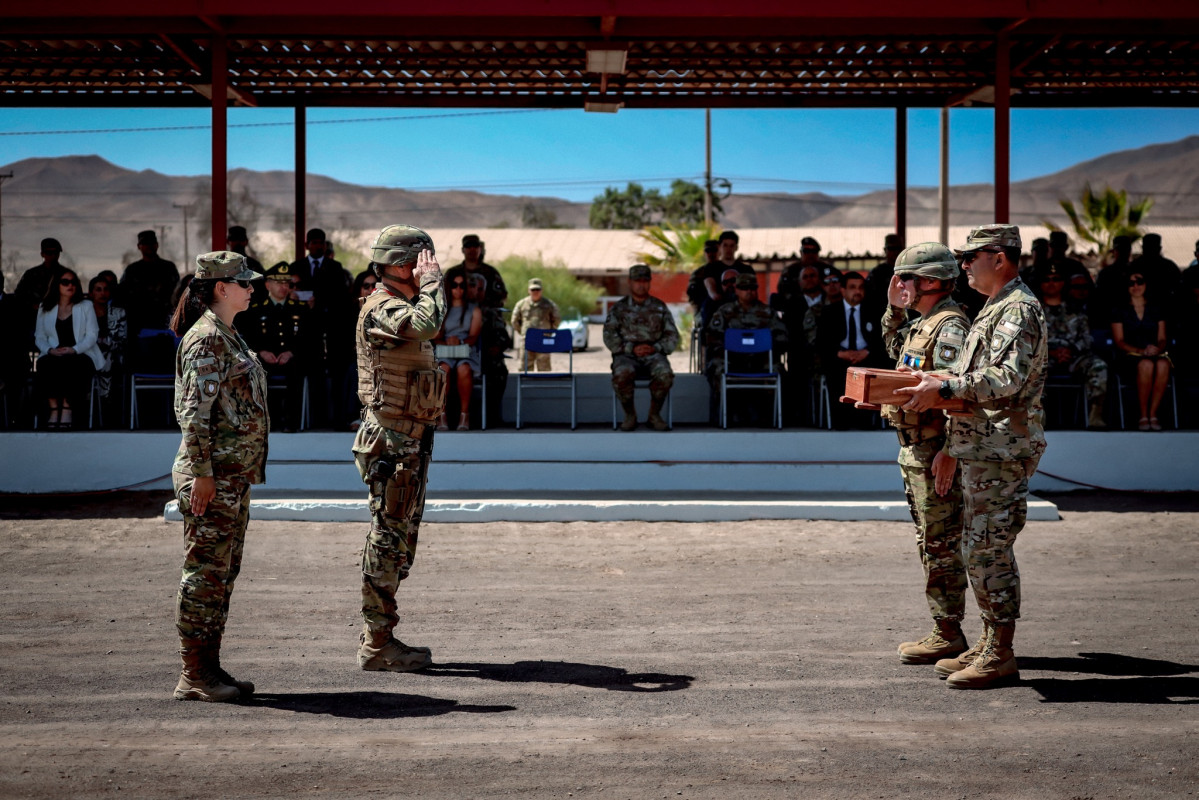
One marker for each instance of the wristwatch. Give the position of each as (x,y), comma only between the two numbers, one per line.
(946,391)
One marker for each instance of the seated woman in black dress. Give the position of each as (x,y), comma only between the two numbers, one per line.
(1139,338)
(67,336)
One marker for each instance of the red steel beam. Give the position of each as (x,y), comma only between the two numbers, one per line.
(1003,127)
(220,132)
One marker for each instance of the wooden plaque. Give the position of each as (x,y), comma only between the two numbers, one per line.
(873,388)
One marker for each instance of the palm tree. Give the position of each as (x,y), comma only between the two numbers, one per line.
(679,248)
(1104,216)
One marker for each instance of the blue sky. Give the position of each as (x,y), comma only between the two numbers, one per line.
(572,154)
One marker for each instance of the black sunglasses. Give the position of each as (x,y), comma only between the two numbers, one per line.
(67,282)
(242,284)
(728,282)
(906,276)
(457,284)
(1136,281)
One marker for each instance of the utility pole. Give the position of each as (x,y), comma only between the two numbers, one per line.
(3,178)
(708,167)
(186,244)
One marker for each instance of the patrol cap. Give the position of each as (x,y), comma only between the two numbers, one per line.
(639,272)
(928,260)
(1039,242)
(1054,269)
(893,241)
(995,234)
(534,283)
(809,241)
(51,244)
(237,234)
(147,237)
(224,265)
(471,240)
(400,244)
(746,280)
(728,235)
(711,245)
(280,270)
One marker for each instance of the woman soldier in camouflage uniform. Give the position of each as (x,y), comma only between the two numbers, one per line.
(220,402)
(403,394)
(923,282)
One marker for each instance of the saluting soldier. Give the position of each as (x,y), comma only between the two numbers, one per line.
(923,283)
(403,395)
(220,402)
(282,331)
(1002,374)
(641,334)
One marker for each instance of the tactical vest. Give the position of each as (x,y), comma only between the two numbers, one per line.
(400,385)
(918,427)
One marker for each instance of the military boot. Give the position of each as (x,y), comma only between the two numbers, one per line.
(198,680)
(1095,420)
(946,641)
(994,666)
(379,651)
(630,416)
(655,420)
(948,666)
(245,687)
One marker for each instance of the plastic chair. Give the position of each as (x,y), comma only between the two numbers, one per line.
(544,340)
(1171,390)
(149,376)
(747,342)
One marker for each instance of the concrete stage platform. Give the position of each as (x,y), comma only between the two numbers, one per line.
(554,474)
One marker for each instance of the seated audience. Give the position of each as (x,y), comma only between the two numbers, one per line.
(457,347)
(113,334)
(1162,276)
(1070,344)
(845,339)
(1139,338)
(67,337)
(494,342)
(641,334)
(746,312)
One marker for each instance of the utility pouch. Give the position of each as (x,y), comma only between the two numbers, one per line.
(403,487)
(426,393)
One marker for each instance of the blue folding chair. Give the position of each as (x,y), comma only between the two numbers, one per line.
(750,341)
(544,340)
(151,375)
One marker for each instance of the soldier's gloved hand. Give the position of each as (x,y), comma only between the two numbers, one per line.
(426,264)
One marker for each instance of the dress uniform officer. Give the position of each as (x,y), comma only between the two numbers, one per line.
(282,331)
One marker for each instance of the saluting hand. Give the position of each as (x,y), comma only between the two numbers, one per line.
(895,292)
(426,264)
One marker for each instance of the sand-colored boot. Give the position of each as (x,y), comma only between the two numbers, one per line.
(995,666)
(945,641)
(630,416)
(948,666)
(245,687)
(379,651)
(655,420)
(199,681)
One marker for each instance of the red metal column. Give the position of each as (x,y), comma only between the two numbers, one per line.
(301,177)
(901,172)
(1003,127)
(220,135)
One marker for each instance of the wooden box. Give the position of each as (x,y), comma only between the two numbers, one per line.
(872,388)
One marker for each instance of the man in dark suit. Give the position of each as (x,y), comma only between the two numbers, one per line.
(334,310)
(845,339)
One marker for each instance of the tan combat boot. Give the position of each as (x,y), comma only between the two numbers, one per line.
(948,666)
(655,420)
(199,681)
(946,641)
(378,651)
(994,666)
(1095,419)
(630,416)
(245,687)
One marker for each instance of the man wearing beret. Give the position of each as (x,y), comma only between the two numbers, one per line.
(534,311)
(641,334)
(747,312)
(147,286)
(1001,374)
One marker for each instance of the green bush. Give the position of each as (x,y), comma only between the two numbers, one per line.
(557,283)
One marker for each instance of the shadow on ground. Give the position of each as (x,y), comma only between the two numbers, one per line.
(1106,500)
(593,676)
(369,705)
(84,505)
(1132,679)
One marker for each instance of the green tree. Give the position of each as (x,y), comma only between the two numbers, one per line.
(678,248)
(684,206)
(533,215)
(1101,217)
(558,284)
(633,208)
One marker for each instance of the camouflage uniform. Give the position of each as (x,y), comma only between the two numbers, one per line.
(221,407)
(731,316)
(932,342)
(527,314)
(1072,330)
(403,394)
(630,324)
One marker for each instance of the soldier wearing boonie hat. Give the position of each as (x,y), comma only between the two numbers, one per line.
(534,311)
(1001,374)
(923,282)
(641,334)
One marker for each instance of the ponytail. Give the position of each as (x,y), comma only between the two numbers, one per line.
(195,300)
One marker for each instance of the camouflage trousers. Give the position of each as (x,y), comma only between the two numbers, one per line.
(394,468)
(213,546)
(1092,371)
(938,541)
(995,504)
(538,362)
(627,369)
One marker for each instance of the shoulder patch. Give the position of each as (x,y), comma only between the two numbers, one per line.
(1009,327)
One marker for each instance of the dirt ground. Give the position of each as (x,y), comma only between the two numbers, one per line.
(605,660)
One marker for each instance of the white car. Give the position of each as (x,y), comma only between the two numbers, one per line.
(577,325)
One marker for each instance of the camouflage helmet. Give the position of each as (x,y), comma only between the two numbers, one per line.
(928,260)
(399,244)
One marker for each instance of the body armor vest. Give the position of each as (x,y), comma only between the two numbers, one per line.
(400,385)
(913,427)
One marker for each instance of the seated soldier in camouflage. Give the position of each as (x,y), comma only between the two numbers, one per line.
(747,312)
(1070,344)
(923,283)
(641,334)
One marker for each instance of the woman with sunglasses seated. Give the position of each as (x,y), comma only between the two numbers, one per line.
(1139,337)
(458,347)
(67,336)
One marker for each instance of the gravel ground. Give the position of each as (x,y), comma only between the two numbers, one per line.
(607,660)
